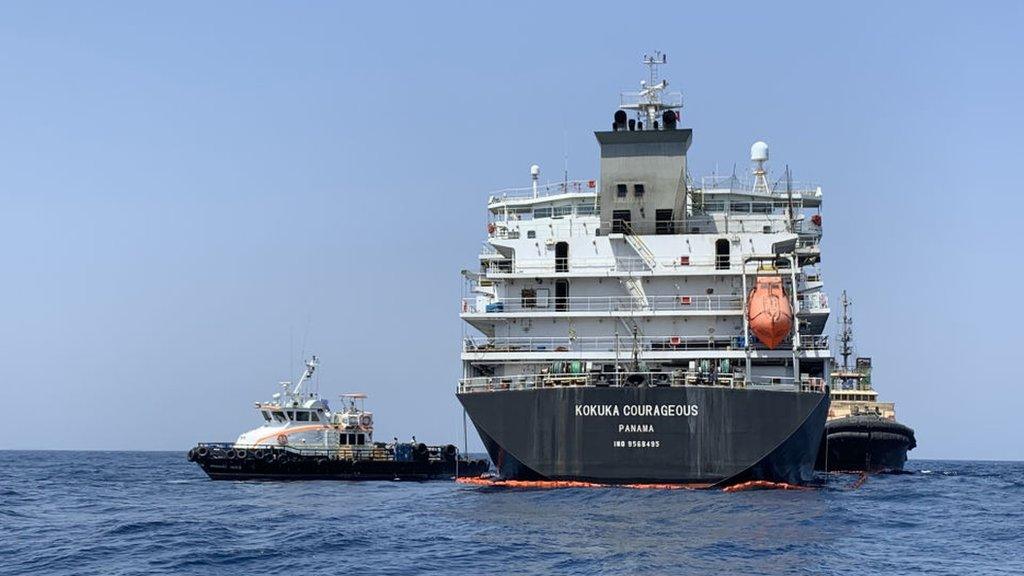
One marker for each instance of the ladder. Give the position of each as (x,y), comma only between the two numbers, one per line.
(638,244)
(635,289)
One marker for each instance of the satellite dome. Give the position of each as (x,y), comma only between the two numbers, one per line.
(534,170)
(759,152)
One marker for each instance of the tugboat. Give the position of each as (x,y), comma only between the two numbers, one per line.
(861,433)
(301,438)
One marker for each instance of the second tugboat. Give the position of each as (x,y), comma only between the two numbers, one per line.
(301,438)
(861,434)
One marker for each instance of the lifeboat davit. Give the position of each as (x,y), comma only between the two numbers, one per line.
(769,312)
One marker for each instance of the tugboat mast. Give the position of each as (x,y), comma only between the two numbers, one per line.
(846,333)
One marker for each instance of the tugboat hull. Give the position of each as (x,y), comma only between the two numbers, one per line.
(864,444)
(222,462)
(702,435)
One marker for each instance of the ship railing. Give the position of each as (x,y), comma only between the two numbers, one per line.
(714,218)
(378,451)
(625,343)
(674,378)
(547,189)
(737,185)
(812,302)
(696,302)
(625,264)
(564,227)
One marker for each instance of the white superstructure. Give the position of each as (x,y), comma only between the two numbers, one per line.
(645,272)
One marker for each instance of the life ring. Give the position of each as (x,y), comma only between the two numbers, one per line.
(192,455)
(365,420)
(202,452)
(491,227)
(282,439)
(240,454)
(230,454)
(258,454)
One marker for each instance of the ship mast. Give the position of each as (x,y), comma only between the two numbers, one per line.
(846,333)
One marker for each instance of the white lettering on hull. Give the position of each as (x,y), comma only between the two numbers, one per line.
(670,410)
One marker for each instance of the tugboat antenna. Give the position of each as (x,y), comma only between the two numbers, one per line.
(846,334)
(311,365)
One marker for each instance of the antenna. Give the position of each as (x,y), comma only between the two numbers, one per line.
(311,365)
(789,199)
(534,174)
(648,101)
(846,333)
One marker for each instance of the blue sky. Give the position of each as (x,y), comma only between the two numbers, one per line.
(194,194)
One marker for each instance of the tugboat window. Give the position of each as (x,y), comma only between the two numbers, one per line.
(266,415)
(360,439)
(302,416)
(638,190)
(343,439)
(313,416)
(279,416)
(621,190)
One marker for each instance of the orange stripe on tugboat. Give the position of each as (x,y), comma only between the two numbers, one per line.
(288,431)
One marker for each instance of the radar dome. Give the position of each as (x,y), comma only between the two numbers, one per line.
(534,170)
(759,152)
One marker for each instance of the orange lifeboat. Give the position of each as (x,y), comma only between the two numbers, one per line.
(769,312)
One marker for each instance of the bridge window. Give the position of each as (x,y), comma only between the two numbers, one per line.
(279,416)
(531,233)
(360,439)
(266,415)
(621,191)
(638,190)
(302,416)
(314,417)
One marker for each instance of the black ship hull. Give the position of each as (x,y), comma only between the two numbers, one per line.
(702,435)
(223,462)
(864,444)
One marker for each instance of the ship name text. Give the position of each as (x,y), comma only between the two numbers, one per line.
(684,410)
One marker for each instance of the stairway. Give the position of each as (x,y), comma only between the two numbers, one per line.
(638,244)
(635,289)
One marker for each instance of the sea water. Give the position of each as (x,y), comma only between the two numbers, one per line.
(115,513)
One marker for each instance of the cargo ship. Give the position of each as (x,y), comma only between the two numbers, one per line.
(301,438)
(861,433)
(644,327)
